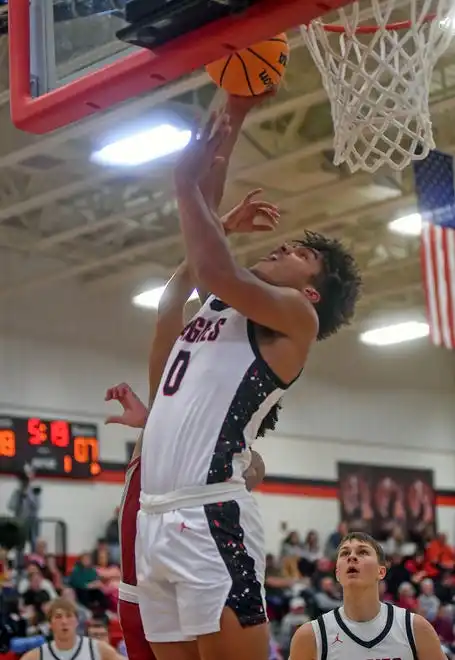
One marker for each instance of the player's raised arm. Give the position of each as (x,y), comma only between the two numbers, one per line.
(213,183)
(283,309)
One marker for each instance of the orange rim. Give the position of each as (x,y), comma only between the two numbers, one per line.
(371,29)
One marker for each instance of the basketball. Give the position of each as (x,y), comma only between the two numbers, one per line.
(254,70)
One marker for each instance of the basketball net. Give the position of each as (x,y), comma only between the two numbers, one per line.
(377,77)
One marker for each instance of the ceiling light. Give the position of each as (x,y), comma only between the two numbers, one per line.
(408,225)
(395,334)
(144,146)
(448,22)
(151,297)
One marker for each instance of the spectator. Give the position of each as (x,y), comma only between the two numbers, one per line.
(85,582)
(429,604)
(24,504)
(334,540)
(384,595)
(396,575)
(34,572)
(445,588)
(34,599)
(443,624)
(440,554)
(406,597)
(291,546)
(97,629)
(328,597)
(112,537)
(311,552)
(324,568)
(54,573)
(419,568)
(295,618)
(275,588)
(101,546)
(109,575)
(396,544)
(38,556)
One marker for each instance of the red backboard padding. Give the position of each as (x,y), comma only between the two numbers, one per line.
(143,71)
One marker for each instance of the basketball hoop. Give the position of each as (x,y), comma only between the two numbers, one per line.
(377,77)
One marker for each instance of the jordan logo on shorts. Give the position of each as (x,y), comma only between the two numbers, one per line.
(183,526)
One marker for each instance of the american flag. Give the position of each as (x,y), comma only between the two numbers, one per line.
(435,187)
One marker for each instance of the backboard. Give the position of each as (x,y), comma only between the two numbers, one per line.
(66,62)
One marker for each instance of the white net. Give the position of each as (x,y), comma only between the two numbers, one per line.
(378,79)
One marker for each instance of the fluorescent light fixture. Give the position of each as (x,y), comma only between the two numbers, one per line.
(144,146)
(395,334)
(448,23)
(408,225)
(151,297)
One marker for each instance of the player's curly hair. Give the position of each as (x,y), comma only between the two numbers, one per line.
(339,284)
(270,420)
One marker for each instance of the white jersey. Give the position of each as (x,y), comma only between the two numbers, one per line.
(84,649)
(215,391)
(389,636)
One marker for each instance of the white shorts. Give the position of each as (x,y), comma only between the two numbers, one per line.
(193,561)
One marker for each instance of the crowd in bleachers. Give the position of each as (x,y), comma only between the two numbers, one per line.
(91,583)
(300,585)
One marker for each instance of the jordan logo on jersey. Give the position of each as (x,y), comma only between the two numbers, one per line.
(201,329)
(337,639)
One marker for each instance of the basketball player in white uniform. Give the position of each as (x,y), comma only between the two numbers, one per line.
(200,546)
(168,327)
(364,628)
(67,645)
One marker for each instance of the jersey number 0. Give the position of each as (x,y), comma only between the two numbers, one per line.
(176,373)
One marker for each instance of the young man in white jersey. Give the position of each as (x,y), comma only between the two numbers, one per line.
(200,544)
(66,643)
(168,327)
(364,628)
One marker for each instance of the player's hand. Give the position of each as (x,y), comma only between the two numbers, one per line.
(251,215)
(134,412)
(202,152)
(241,105)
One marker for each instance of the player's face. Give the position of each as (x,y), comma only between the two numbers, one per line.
(63,624)
(358,565)
(290,265)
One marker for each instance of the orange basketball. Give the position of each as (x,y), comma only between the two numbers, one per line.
(252,71)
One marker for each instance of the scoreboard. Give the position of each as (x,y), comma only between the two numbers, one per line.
(58,447)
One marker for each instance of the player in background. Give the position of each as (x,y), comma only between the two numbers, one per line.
(66,643)
(364,627)
(250,215)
